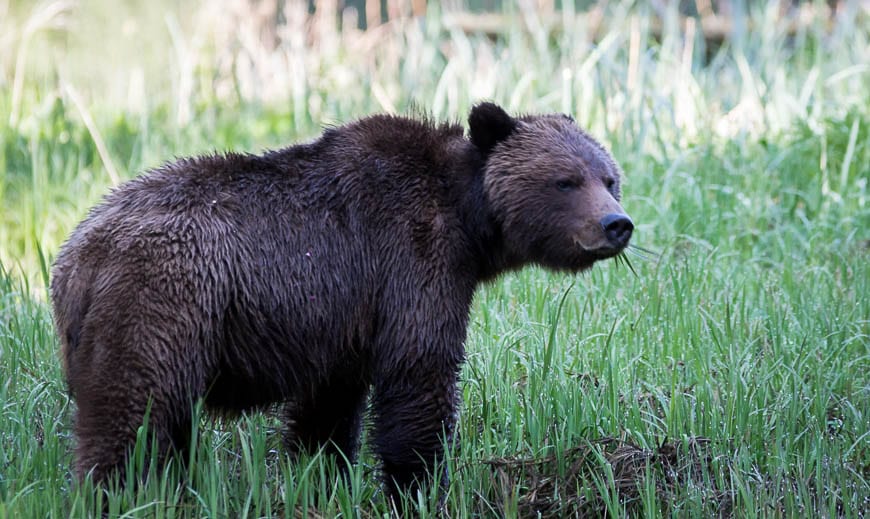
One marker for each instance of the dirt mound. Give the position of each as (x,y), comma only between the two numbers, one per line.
(573,484)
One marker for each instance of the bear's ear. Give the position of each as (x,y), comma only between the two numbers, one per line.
(489,125)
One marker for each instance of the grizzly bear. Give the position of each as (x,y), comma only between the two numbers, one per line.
(326,277)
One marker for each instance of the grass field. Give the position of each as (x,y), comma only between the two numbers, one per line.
(729,374)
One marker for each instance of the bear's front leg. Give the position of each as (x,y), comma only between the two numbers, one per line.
(415,413)
(329,418)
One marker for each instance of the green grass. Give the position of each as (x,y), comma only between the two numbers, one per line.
(731,374)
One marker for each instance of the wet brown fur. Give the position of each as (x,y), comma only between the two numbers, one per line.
(315,276)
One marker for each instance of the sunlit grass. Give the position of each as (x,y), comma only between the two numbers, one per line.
(743,322)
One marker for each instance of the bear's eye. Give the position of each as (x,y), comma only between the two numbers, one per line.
(565,185)
(609,183)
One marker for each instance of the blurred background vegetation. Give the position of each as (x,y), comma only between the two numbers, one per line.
(92,91)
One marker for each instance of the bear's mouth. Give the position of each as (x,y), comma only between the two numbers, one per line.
(600,252)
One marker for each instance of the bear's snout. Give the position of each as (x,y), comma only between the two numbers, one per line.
(617,229)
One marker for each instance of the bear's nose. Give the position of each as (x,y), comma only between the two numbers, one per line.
(617,229)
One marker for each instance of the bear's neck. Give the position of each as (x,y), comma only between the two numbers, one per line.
(488,255)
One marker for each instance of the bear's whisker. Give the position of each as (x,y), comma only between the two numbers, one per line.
(642,253)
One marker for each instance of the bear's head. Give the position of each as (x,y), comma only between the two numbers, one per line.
(552,189)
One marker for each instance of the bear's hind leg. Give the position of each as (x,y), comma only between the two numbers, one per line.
(116,386)
(106,433)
